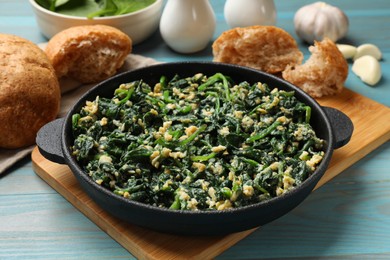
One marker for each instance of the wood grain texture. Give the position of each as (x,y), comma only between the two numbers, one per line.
(345,219)
(348,218)
(371,128)
(141,242)
(367,115)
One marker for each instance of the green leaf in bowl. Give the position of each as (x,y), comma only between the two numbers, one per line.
(81,8)
(94,8)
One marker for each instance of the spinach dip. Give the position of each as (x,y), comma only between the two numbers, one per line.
(197,143)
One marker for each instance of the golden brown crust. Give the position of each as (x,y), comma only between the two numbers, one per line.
(89,53)
(266,48)
(324,73)
(29,91)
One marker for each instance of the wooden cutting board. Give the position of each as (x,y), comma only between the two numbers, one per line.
(372,128)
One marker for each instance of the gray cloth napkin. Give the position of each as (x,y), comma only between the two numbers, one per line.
(71,90)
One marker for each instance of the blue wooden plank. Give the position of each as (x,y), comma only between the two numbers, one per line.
(46,226)
(353,211)
(19,179)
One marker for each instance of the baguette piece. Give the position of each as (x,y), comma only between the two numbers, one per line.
(29,91)
(88,53)
(266,48)
(324,73)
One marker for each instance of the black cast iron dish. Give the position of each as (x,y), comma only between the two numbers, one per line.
(55,138)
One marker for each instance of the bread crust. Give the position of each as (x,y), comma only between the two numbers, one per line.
(89,53)
(266,48)
(324,73)
(29,91)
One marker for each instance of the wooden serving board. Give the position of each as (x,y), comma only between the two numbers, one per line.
(372,128)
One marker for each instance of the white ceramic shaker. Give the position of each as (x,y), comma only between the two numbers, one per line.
(187,26)
(243,13)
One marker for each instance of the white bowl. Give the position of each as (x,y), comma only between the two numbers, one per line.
(137,25)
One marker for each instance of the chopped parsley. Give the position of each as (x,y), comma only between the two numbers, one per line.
(197,143)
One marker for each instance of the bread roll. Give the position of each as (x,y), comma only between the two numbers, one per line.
(324,73)
(29,91)
(89,53)
(266,48)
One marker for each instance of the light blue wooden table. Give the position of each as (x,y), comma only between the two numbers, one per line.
(347,218)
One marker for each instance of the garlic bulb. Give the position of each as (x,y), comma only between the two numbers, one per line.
(319,20)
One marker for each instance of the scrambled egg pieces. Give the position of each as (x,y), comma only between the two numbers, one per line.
(197,143)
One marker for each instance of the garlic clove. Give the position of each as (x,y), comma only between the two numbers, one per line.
(368,49)
(347,50)
(368,69)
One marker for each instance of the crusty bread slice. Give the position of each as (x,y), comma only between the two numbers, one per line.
(89,53)
(266,48)
(324,73)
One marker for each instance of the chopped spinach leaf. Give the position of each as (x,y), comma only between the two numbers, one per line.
(197,143)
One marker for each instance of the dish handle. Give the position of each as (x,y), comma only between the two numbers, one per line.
(50,135)
(342,126)
(49,141)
